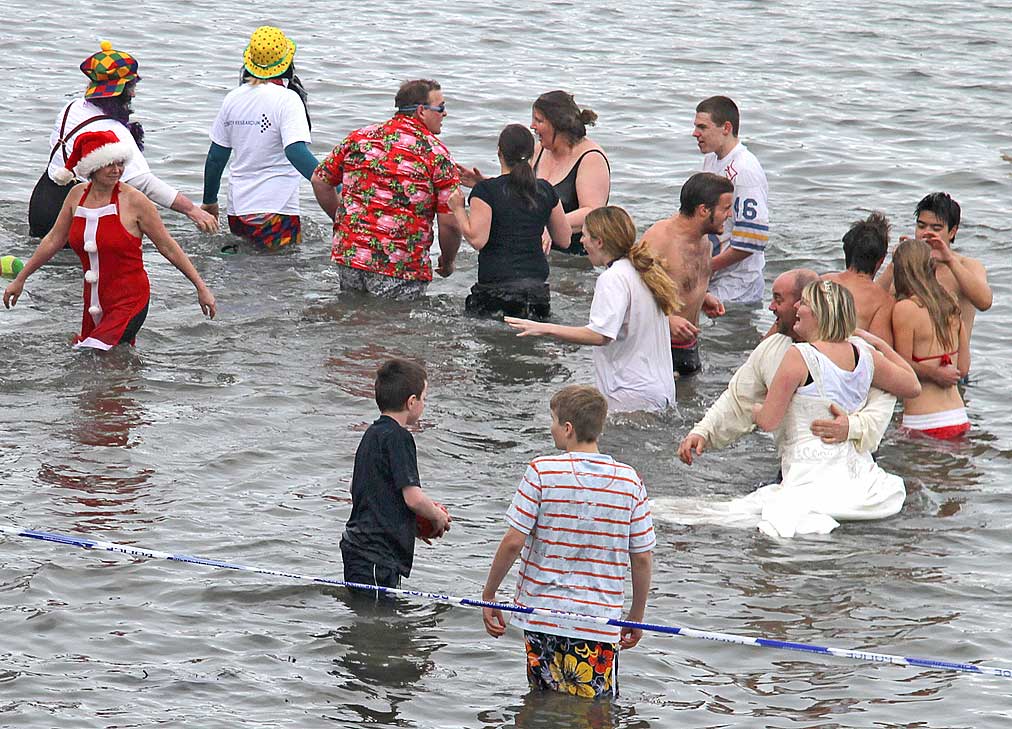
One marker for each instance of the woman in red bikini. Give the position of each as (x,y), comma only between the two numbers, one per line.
(103,220)
(928,332)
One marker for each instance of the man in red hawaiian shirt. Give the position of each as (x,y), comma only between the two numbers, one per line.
(396,178)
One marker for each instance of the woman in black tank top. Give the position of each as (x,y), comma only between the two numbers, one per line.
(561,127)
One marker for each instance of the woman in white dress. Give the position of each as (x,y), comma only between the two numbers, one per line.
(822,483)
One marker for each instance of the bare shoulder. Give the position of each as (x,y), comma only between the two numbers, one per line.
(76,193)
(972,263)
(659,236)
(908,308)
(134,197)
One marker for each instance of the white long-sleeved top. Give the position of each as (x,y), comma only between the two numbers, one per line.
(730,417)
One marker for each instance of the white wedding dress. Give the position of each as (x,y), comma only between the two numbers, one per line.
(822,484)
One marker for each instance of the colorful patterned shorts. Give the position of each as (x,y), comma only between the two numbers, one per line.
(580,667)
(272,231)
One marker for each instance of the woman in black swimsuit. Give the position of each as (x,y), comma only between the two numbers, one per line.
(575,165)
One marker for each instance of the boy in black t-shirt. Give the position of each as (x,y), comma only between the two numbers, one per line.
(379,540)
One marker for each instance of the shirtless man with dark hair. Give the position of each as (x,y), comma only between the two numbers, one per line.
(864,249)
(705,204)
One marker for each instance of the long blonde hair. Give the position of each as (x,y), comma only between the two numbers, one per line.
(615,229)
(914,275)
(834,310)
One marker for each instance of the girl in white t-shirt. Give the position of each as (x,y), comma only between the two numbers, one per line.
(628,316)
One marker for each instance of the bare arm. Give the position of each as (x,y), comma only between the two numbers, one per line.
(727,258)
(419,502)
(972,279)
(55,240)
(641,566)
(885,278)
(151,225)
(892,372)
(558,227)
(963,358)
(325,194)
(593,185)
(449,243)
(573,335)
(507,553)
(789,377)
(475,224)
(905,313)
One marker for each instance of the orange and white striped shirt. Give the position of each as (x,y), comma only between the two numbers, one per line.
(583,514)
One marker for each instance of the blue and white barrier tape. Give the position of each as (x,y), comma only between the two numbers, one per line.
(855,654)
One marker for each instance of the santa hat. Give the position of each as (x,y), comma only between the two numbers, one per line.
(92,151)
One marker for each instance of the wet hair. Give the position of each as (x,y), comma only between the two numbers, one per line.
(414,93)
(615,229)
(516,145)
(584,407)
(294,84)
(566,118)
(722,110)
(396,381)
(943,206)
(866,243)
(703,188)
(119,108)
(834,310)
(914,275)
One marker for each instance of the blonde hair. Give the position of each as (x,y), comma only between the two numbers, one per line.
(833,307)
(914,275)
(615,229)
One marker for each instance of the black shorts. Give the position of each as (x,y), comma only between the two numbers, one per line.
(685,360)
(362,570)
(527,299)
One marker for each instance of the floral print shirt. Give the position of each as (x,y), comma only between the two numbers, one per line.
(396,176)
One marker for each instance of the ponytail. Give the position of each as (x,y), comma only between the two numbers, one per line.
(654,277)
(516,145)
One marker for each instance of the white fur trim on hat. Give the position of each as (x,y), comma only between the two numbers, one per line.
(104,155)
(62,176)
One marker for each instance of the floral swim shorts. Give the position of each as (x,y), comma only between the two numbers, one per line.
(580,667)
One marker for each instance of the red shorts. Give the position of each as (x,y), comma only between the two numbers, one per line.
(945,425)
(947,432)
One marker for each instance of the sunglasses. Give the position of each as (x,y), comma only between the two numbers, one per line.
(441,108)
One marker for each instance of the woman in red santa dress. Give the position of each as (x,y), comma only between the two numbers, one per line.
(103,220)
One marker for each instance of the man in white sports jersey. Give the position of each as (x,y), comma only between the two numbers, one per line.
(739,253)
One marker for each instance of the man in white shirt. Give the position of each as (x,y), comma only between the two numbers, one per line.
(739,252)
(730,417)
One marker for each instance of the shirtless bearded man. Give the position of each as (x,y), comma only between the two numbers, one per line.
(705,204)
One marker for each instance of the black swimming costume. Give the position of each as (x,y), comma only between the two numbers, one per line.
(566,188)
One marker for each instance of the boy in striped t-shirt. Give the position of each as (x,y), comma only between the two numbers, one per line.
(577,521)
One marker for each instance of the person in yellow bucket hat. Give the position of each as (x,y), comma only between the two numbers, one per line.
(265,124)
(106,106)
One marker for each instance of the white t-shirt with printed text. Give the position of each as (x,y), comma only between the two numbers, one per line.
(748,230)
(257,122)
(634,370)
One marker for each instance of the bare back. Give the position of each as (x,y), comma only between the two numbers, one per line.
(916,341)
(686,259)
(873,303)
